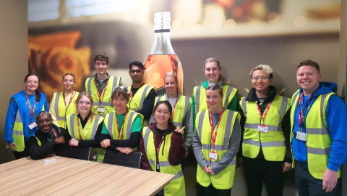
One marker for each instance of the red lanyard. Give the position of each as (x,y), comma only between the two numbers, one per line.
(266,111)
(158,149)
(131,94)
(173,111)
(78,124)
(72,93)
(55,135)
(216,132)
(103,91)
(32,112)
(301,112)
(120,132)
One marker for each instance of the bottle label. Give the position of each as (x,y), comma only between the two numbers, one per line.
(162,31)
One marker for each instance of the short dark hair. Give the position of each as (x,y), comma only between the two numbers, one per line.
(309,62)
(101,57)
(136,63)
(120,91)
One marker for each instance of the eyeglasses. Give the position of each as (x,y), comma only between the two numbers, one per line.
(136,71)
(261,77)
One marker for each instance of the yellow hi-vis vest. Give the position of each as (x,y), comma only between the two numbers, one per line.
(176,186)
(273,142)
(60,109)
(181,110)
(136,102)
(225,178)
(87,133)
(318,138)
(112,83)
(199,93)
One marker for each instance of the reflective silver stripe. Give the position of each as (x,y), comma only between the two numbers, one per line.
(95,127)
(115,79)
(217,147)
(18,118)
(227,95)
(151,162)
(233,162)
(178,175)
(129,124)
(319,151)
(244,105)
(88,85)
(251,142)
(110,124)
(17,132)
(283,108)
(102,103)
(72,125)
(56,105)
(143,96)
(294,97)
(227,131)
(325,129)
(201,120)
(186,105)
(270,127)
(145,139)
(164,163)
(197,99)
(273,144)
(316,131)
(177,124)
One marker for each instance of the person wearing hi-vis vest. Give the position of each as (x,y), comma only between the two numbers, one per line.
(318,125)
(163,149)
(142,96)
(101,85)
(20,122)
(47,140)
(265,152)
(122,128)
(181,113)
(215,143)
(64,103)
(84,126)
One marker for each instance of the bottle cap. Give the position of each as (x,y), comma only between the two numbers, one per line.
(162,20)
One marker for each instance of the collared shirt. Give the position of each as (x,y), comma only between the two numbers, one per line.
(101,83)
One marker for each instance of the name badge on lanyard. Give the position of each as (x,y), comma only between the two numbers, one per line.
(262,128)
(32,125)
(212,155)
(301,136)
(101,109)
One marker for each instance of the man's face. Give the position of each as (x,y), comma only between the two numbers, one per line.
(136,74)
(308,78)
(44,122)
(101,67)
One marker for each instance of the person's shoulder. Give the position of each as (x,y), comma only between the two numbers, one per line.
(336,100)
(18,95)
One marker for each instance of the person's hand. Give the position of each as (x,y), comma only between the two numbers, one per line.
(206,169)
(73,142)
(178,130)
(125,150)
(287,167)
(105,143)
(60,140)
(11,146)
(210,171)
(329,180)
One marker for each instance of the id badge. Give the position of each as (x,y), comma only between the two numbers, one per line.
(301,136)
(101,109)
(262,128)
(158,167)
(212,155)
(32,125)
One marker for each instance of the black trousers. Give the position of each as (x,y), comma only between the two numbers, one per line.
(307,185)
(24,153)
(211,191)
(259,171)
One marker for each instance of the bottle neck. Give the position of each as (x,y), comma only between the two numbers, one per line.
(162,43)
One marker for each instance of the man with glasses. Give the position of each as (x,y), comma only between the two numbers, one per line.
(101,86)
(142,96)
(47,139)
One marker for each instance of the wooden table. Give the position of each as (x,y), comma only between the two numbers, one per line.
(68,176)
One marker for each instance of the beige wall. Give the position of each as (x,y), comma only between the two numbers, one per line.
(343,48)
(14,58)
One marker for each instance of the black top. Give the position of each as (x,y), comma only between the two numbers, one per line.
(148,103)
(251,97)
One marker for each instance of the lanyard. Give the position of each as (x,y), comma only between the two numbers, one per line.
(78,124)
(302,110)
(72,94)
(173,111)
(266,111)
(120,132)
(55,135)
(32,112)
(216,132)
(103,92)
(159,147)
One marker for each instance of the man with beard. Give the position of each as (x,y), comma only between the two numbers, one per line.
(48,138)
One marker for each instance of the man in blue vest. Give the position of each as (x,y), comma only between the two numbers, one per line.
(319,133)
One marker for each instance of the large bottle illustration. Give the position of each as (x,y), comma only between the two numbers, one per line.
(162,58)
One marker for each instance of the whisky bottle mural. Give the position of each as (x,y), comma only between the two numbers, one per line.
(162,58)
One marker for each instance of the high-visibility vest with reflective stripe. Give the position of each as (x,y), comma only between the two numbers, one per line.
(112,83)
(199,93)
(60,109)
(181,110)
(18,131)
(318,138)
(176,185)
(225,178)
(87,133)
(272,142)
(136,103)
(111,125)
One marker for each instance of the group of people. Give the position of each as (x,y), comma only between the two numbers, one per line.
(264,132)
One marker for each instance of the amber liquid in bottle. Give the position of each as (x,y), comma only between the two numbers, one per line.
(162,58)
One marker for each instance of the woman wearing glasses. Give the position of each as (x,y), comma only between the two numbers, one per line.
(265,126)
(163,150)
(122,128)
(20,122)
(64,102)
(215,144)
(83,126)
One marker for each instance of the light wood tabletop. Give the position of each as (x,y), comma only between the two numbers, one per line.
(66,176)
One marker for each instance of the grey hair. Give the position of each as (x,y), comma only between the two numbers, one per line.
(266,68)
